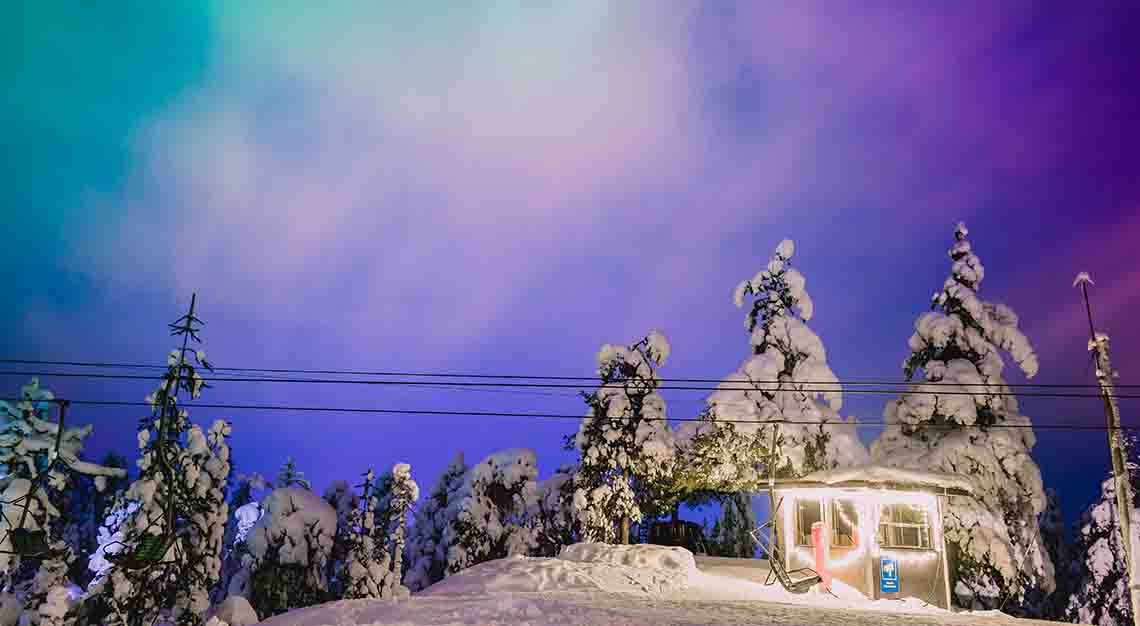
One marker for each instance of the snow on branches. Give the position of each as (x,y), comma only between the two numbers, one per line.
(786,379)
(624,443)
(1100,595)
(427,550)
(288,550)
(489,511)
(366,570)
(943,421)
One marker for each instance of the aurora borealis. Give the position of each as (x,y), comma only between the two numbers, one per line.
(503,188)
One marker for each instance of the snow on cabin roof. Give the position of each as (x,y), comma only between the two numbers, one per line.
(883,476)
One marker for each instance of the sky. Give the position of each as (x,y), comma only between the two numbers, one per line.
(503,187)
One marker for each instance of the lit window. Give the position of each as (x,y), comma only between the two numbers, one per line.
(904,526)
(844,523)
(808,512)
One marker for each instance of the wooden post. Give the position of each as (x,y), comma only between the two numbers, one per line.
(1123,486)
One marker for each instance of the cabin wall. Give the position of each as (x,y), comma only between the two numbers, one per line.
(922,573)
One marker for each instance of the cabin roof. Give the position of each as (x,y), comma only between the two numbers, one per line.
(884,477)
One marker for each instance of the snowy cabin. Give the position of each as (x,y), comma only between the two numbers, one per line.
(883,528)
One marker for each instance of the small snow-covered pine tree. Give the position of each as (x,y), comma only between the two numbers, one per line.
(553,515)
(367,572)
(341,497)
(405,492)
(785,378)
(489,511)
(946,422)
(290,476)
(624,443)
(289,548)
(427,551)
(1099,577)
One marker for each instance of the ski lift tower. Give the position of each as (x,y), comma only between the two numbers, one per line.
(1098,342)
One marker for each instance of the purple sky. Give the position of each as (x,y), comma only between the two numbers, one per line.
(503,189)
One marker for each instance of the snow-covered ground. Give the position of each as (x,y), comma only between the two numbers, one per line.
(599,584)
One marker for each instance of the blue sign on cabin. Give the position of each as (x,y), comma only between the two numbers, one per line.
(888,574)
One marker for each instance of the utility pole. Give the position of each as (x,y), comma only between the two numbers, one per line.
(1098,342)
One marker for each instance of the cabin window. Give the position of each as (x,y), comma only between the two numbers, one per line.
(844,523)
(808,512)
(904,526)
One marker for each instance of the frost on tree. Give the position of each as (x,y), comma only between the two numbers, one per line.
(786,377)
(489,511)
(1100,591)
(289,548)
(427,550)
(28,433)
(553,515)
(961,418)
(624,444)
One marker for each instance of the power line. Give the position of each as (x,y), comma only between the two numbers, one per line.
(359,410)
(341,372)
(818,386)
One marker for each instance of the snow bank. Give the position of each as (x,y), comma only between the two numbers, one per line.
(666,559)
(708,599)
(884,475)
(581,567)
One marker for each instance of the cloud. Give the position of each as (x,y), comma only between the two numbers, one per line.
(425,169)
(394,166)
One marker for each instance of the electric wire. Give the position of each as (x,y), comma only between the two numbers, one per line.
(344,372)
(960,389)
(369,410)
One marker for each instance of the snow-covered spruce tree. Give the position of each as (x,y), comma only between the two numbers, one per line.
(731,534)
(553,515)
(962,418)
(290,476)
(342,498)
(1099,576)
(366,572)
(489,511)
(289,549)
(28,436)
(180,493)
(786,378)
(427,551)
(624,443)
(405,492)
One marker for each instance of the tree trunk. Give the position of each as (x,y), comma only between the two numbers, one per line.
(625,530)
